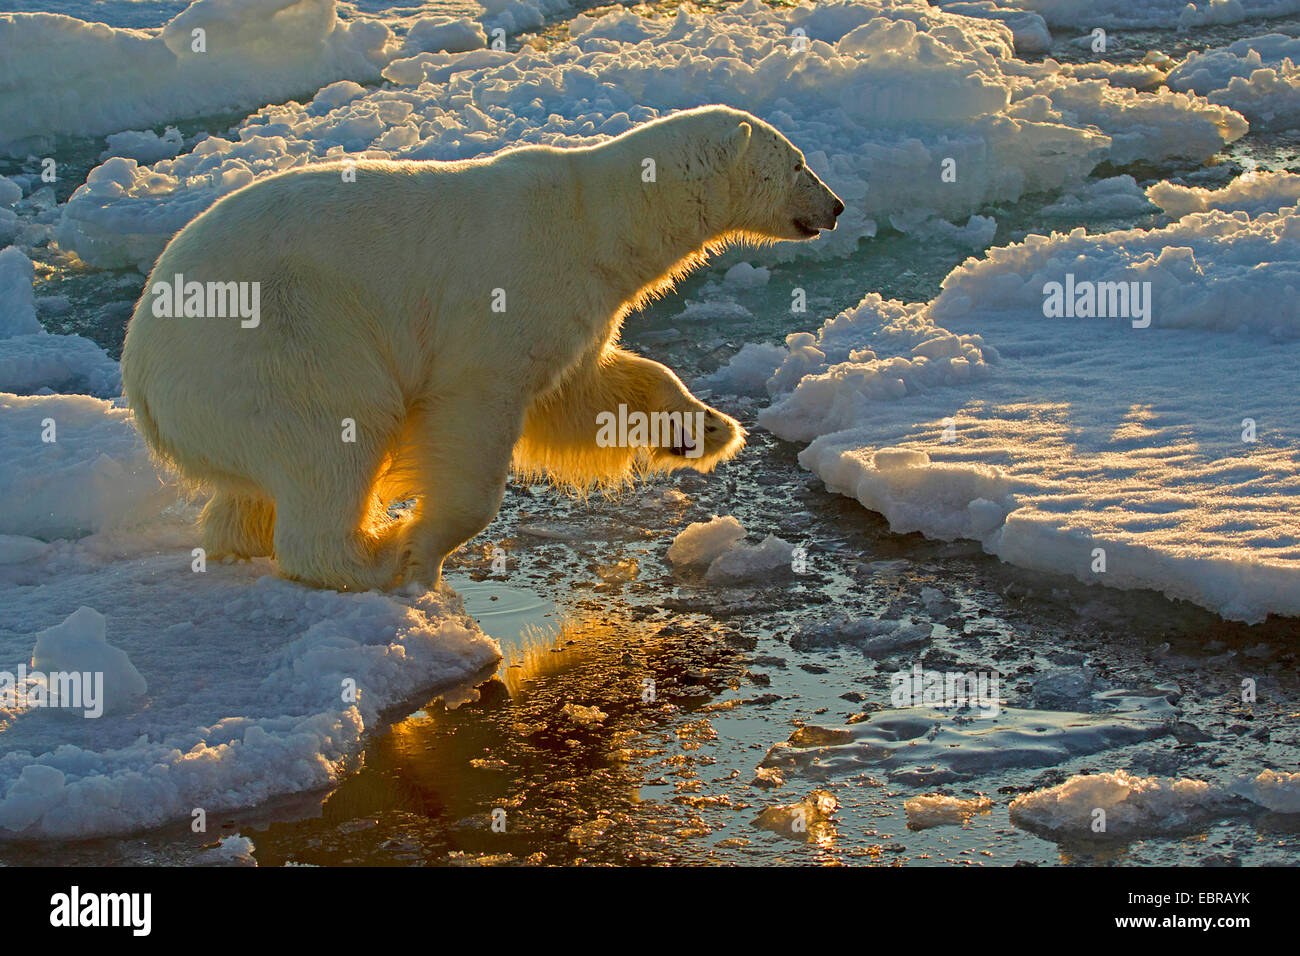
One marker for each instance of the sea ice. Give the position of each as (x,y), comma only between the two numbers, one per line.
(1120,805)
(937,810)
(914,115)
(700,543)
(1257,77)
(1082,447)
(33,360)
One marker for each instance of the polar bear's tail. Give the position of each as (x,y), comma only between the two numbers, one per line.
(161,451)
(146,425)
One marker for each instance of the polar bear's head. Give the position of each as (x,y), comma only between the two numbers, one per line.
(770,191)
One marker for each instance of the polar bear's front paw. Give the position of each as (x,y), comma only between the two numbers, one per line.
(421,569)
(722,436)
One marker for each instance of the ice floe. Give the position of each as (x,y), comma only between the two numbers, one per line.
(222,685)
(719,544)
(1078,444)
(916,116)
(1257,77)
(922,746)
(1119,805)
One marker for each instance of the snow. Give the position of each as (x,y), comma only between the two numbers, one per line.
(516,16)
(977,233)
(225,684)
(719,543)
(31,359)
(248,682)
(67,76)
(915,116)
(1137,14)
(1278,791)
(1028,28)
(1257,77)
(1135,806)
(1252,193)
(443,34)
(94,475)
(17,301)
(144,145)
(703,541)
(937,810)
(1046,440)
(77,645)
(745,562)
(1075,445)
(1117,197)
(746,372)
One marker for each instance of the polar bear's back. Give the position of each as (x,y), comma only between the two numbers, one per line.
(348,275)
(371,292)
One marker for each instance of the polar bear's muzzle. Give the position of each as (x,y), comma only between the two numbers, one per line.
(825,209)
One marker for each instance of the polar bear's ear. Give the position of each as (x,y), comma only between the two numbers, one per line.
(737,142)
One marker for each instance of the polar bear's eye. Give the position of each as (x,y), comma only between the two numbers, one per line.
(798,167)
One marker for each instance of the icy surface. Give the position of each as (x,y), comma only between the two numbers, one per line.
(915,116)
(1121,805)
(808,819)
(1076,445)
(95,475)
(703,541)
(31,359)
(746,372)
(937,810)
(225,685)
(1252,193)
(77,645)
(65,76)
(1113,14)
(746,562)
(144,145)
(1257,77)
(720,544)
(920,746)
(1116,197)
(249,678)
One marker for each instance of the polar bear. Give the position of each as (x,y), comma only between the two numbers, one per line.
(415,329)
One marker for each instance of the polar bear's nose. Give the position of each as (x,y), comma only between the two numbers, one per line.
(838,208)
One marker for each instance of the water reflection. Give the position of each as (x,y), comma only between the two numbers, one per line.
(540,764)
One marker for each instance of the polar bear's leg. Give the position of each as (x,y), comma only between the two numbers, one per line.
(333,550)
(239,524)
(563,439)
(458,453)
(331,531)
